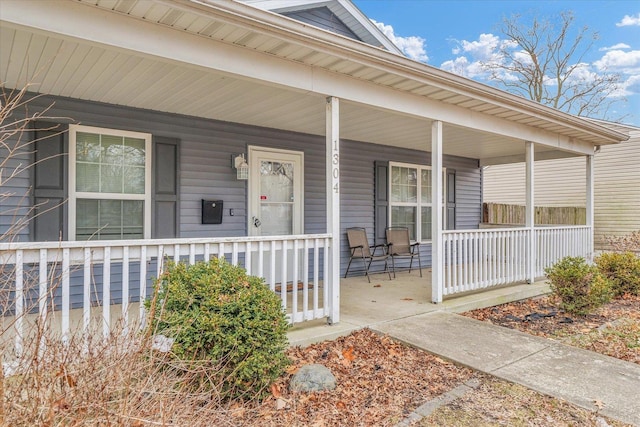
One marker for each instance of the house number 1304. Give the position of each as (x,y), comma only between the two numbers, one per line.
(336,171)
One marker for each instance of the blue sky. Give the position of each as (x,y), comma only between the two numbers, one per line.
(456,34)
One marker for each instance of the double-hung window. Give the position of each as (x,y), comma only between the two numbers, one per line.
(109,184)
(411,199)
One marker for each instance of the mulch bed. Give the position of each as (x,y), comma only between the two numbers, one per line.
(379,382)
(613,329)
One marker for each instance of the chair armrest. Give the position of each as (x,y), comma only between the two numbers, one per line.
(375,248)
(415,247)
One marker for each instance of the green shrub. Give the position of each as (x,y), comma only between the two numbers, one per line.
(622,269)
(218,314)
(580,287)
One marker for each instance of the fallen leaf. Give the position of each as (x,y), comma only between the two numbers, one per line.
(377,286)
(292,369)
(598,404)
(275,390)
(281,404)
(341,405)
(407,299)
(348,354)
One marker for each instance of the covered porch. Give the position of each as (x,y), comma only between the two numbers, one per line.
(184,65)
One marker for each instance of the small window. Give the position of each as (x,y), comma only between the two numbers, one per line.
(110,184)
(411,199)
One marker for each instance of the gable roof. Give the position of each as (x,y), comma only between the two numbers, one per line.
(344,10)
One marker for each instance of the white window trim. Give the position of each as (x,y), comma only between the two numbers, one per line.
(418,204)
(74,195)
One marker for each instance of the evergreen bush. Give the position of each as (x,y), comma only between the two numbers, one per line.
(217,314)
(622,269)
(580,287)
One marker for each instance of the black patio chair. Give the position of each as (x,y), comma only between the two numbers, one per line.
(400,246)
(360,249)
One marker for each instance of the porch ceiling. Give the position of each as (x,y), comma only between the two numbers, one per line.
(62,65)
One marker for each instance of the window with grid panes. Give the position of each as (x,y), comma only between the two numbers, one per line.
(110,189)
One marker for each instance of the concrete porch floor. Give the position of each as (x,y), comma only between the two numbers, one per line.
(364,304)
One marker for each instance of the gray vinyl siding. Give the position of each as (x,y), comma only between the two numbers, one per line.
(15,202)
(322,17)
(206,147)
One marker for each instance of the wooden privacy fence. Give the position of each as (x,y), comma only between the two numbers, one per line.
(499,213)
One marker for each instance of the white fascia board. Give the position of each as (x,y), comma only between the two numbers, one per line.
(89,23)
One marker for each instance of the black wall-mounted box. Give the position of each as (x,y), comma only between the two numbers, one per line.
(212,211)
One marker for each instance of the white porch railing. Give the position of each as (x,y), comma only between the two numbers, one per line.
(84,277)
(478,259)
(555,243)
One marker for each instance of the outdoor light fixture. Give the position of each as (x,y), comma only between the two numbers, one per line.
(242,168)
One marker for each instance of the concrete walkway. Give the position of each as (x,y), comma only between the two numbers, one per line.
(582,377)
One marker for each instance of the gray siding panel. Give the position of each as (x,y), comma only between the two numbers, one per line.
(15,193)
(323,18)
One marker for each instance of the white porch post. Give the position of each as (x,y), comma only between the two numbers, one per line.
(530,212)
(437,257)
(333,206)
(590,206)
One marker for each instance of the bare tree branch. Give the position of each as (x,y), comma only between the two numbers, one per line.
(544,61)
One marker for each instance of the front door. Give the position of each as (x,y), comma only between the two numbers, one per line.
(275,201)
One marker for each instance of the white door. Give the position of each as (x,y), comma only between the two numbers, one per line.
(275,192)
(275,204)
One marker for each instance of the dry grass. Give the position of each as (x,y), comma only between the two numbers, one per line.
(499,403)
(117,381)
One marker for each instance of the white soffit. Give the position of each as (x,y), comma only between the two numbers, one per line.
(73,67)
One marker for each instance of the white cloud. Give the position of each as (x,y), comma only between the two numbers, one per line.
(617,46)
(618,60)
(474,56)
(628,21)
(412,46)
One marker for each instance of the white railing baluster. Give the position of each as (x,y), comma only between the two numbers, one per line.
(234,253)
(86,295)
(66,297)
(43,286)
(283,275)
(272,266)
(305,281)
(192,254)
(221,249)
(248,255)
(43,296)
(160,260)
(125,289)
(106,292)
(19,302)
(316,275)
(326,283)
(143,283)
(261,259)
(176,253)
(294,279)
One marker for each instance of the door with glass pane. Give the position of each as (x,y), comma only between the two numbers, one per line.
(275,196)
